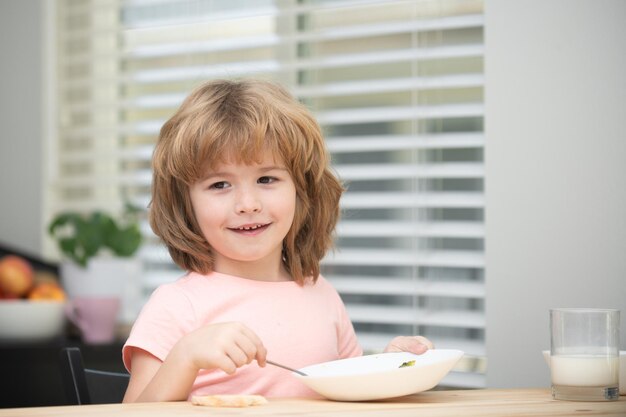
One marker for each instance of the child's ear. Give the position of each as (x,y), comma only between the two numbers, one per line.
(284,253)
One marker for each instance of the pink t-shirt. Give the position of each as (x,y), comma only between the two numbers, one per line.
(299,326)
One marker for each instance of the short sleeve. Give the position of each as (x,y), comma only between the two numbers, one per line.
(347,342)
(165,318)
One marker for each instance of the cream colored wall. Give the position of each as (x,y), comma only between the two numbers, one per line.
(556,173)
(21,58)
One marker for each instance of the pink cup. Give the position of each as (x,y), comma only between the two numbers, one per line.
(96,317)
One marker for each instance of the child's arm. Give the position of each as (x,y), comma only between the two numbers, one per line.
(225,346)
(413,344)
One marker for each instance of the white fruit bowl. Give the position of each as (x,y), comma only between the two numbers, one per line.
(373,377)
(30,321)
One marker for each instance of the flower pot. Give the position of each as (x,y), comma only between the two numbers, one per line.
(106,277)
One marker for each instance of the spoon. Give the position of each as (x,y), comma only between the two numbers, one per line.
(286,367)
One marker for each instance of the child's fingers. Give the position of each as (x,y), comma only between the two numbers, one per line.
(237,356)
(416,347)
(413,344)
(248,347)
(259,349)
(226,364)
(261,355)
(424,341)
(252,336)
(227,346)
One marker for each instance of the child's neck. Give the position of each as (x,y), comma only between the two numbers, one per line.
(257,271)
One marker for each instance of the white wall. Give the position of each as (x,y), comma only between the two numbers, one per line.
(21,125)
(556,173)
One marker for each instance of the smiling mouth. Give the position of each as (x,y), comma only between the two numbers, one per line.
(250,228)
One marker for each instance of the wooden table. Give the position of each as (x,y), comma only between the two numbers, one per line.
(466,403)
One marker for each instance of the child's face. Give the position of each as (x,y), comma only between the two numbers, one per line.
(245,212)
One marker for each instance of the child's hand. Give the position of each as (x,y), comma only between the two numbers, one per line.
(225,346)
(413,344)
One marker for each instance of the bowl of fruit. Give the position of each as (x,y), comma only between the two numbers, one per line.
(32,303)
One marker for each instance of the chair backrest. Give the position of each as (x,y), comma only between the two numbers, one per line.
(89,386)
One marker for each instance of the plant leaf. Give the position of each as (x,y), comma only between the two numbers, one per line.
(81,237)
(126,241)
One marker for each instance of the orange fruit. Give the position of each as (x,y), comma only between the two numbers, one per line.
(48,290)
(16,276)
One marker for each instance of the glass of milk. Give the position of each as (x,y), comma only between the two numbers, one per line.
(584,354)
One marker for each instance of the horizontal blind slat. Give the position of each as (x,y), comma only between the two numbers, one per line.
(396,113)
(343,116)
(464,380)
(217,45)
(405,257)
(173,100)
(195,73)
(390,85)
(375,343)
(377,143)
(135,178)
(396,170)
(398,286)
(406,199)
(412,316)
(354,228)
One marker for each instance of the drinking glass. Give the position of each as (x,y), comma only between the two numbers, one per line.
(584,354)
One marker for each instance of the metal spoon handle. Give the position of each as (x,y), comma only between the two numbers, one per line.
(286,367)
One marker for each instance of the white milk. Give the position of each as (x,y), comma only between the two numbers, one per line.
(585,370)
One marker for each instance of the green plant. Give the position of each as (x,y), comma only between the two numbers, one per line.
(82,236)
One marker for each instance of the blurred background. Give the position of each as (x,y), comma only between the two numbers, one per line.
(482,143)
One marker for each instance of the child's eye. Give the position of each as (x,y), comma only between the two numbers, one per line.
(220,185)
(266,180)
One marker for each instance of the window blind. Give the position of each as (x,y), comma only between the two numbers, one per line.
(398,89)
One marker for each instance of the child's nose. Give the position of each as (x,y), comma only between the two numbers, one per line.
(248,202)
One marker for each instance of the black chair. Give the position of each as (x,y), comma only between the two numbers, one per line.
(89,386)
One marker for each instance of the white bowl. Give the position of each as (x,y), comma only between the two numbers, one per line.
(30,321)
(622,368)
(373,377)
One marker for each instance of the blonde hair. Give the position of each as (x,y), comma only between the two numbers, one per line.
(226,120)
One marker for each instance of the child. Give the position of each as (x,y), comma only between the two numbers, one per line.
(244,199)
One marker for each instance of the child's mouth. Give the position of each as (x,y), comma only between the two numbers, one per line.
(251,229)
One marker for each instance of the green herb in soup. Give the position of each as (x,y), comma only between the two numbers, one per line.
(407,363)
